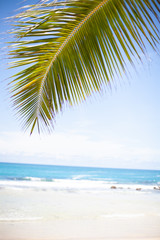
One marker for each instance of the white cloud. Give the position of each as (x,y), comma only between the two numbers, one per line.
(57,145)
(67,147)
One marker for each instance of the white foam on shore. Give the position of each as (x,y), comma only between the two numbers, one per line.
(33,179)
(72,185)
(19,219)
(123,215)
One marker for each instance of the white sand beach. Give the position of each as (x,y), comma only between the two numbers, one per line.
(31,214)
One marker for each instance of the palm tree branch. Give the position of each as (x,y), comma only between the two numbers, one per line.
(73,48)
(62,46)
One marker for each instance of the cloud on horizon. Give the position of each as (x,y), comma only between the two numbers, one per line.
(65,148)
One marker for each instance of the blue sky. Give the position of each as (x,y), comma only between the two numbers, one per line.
(118,128)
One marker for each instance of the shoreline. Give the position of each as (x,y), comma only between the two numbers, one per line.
(75,185)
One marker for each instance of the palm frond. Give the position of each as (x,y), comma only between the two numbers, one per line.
(69,49)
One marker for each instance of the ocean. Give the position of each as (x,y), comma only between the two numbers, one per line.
(82,178)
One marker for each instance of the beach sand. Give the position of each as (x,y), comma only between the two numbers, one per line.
(28,214)
(80,230)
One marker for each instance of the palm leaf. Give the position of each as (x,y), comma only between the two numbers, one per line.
(70,49)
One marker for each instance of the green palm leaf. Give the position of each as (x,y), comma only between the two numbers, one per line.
(69,49)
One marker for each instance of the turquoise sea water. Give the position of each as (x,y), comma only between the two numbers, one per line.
(33,172)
